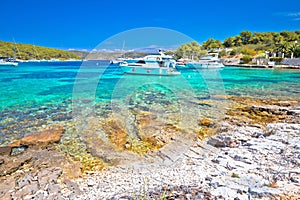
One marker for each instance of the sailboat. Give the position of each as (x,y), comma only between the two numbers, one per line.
(120,59)
(6,61)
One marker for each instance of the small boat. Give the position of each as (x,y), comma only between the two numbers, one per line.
(72,60)
(4,61)
(158,64)
(117,61)
(181,64)
(33,60)
(54,60)
(120,59)
(206,62)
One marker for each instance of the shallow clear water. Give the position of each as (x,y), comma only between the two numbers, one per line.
(33,94)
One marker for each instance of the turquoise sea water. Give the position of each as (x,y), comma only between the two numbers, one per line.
(36,94)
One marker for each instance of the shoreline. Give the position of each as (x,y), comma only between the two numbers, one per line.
(207,171)
(264,66)
(255,153)
(243,160)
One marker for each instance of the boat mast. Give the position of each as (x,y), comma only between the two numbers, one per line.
(15,53)
(15,50)
(34,51)
(123,47)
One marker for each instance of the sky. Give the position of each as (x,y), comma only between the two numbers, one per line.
(85,24)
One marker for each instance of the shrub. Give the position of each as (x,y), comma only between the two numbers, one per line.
(277,59)
(234,175)
(261,55)
(222,54)
(246,59)
(233,52)
(247,51)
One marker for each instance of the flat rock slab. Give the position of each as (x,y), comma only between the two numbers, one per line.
(11,164)
(44,137)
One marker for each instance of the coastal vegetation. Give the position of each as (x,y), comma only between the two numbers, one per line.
(28,51)
(193,50)
(247,45)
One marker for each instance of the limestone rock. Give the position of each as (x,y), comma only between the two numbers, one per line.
(221,142)
(206,122)
(48,175)
(216,143)
(5,186)
(5,150)
(43,137)
(11,164)
(72,186)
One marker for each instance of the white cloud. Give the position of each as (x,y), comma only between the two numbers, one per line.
(293,14)
(104,50)
(152,46)
(297,19)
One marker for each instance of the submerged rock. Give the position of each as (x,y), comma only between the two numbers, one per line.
(259,111)
(41,138)
(206,122)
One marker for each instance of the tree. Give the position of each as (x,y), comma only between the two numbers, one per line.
(277,38)
(268,39)
(191,50)
(278,42)
(282,48)
(254,40)
(289,36)
(27,51)
(245,37)
(292,48)
(237,41)
(297,53)
(211,44)
(229,42)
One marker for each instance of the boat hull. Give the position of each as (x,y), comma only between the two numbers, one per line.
(8,64)
(161,71)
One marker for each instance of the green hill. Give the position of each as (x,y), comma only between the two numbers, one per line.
(284,44)
(28,51)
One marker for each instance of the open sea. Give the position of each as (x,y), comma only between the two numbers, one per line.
(33,95)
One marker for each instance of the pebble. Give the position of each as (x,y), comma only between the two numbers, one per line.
(211,174)
(91,182)
(204,172)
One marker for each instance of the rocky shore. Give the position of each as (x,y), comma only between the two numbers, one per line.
(241,165)
(254,154)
